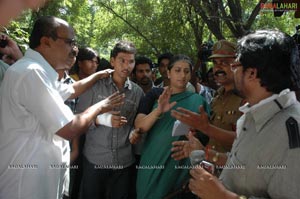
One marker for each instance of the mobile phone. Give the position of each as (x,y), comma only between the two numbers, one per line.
(208,166)
(3,43)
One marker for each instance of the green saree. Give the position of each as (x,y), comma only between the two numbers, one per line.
(158,173)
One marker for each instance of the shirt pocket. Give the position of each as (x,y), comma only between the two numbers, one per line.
(237,160)
(234,175)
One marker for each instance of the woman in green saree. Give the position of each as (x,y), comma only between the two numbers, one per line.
(158,173)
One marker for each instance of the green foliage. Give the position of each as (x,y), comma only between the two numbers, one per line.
(155,26)
(285,23)
(19,33)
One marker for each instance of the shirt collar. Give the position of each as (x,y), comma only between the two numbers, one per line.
(128,83)
(67,78)
(161,85)
(221,91)
(37,57)
(263,111)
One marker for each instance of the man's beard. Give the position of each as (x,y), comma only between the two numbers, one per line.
(145,81)
(238,91)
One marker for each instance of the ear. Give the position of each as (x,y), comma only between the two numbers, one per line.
(112,62)
(251,73)
(45,41)
(168,73)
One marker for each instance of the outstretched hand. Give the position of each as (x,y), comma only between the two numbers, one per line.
(164,104)
(105,73)
(111,102)
(182,149)
(199,121)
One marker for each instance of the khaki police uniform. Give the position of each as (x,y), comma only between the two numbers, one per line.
(225,113)
(265,157)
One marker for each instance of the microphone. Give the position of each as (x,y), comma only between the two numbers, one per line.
(196,157)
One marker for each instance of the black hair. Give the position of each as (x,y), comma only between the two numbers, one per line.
(142,60)
(180,57)
(44,26)
(124,47)
(164,56)
(275,56)
(208,72)
(104,64)
(84,53)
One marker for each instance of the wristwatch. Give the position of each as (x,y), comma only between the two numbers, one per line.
(242,197)
(216,157)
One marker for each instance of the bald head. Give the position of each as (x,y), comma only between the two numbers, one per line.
(45,26)
(55,40)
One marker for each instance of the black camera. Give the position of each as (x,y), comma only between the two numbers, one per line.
(206,51)
(3,43)
(296,36)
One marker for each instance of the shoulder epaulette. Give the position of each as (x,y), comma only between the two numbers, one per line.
(293,133)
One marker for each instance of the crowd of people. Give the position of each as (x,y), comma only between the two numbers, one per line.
(70,130)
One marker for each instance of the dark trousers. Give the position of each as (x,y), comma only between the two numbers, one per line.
(134,170)
(104,183)
(76,173)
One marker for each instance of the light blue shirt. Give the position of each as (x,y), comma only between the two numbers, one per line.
(3,68)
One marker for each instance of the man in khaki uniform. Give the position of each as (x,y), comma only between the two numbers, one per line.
(226,101)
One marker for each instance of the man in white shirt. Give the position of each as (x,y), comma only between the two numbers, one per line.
(35,124)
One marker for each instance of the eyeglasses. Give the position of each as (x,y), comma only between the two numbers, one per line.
(71,42)
(235,65)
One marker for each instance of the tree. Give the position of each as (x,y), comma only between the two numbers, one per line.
(214,12)
(157,26)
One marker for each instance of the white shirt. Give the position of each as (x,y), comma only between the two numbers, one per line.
(33,158)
